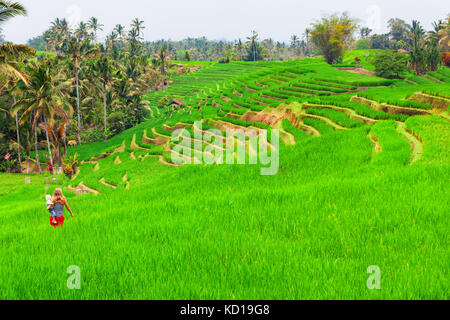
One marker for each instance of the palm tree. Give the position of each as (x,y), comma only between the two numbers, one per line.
(307,34)
(76,50)
(138,25)
(11,56)
(416,37)
(120,30)
(9,9)
(253,43)
(26,142)
(133,35)
(416,31)
(365,32)
(103,71)
(295,42)
(82,32)
(57,133)
(59,34)
(112,38)
(163,56)
(45,96)
(444,35)
(9,67)
(240,46)
(95,26)
(10,87)
(434,33)
(307,37)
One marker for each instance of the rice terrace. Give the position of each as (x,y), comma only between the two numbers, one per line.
(225,170)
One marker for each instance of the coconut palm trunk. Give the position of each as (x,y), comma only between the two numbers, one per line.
(38,164)
(48,140)
(28,151)
(18,137)
(163,71)
(104,108)
(77,85)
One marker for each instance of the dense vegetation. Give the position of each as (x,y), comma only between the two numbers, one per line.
(362,180)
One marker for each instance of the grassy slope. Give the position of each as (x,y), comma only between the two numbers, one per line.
(210,232)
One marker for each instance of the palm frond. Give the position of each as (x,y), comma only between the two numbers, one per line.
(9,9)
(14,50)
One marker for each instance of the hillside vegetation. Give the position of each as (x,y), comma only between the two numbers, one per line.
(363,180)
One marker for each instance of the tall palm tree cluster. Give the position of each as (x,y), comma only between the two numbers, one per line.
(425,47)
(85,92)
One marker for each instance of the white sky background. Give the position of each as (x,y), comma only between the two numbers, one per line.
(224,19)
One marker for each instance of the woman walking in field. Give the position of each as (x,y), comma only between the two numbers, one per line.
(59,202)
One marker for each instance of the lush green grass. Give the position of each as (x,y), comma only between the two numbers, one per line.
(224,231)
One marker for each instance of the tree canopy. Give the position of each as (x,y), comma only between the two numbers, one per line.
(331,35)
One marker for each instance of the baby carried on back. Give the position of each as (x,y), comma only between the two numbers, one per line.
(55,205)
(51,208)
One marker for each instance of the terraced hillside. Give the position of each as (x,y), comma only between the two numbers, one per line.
(363,180)
(209,76)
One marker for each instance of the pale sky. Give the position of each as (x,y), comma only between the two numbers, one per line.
(224,19)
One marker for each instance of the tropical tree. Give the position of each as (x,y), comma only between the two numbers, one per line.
(365,32)
(77,49)
(57,133)
(45,97)
(307,34)
(390,64)
(424,49)
(95,27)
(82,31)
(416,43)
(163,56)
(9,9)
(307,37)
(138,25)
(332,34)
(253,44)
(10,54)
(398,29)
(104,72)
(11,58)
(58,35)
(11,88)
(434,33)
(240,47)
(295,42)
(444,35)
(120,30)
(26,142)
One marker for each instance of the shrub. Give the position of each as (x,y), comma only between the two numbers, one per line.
(116,122)
(363,44)
(92,135)
(390,64)
(70,164)
(165,101)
